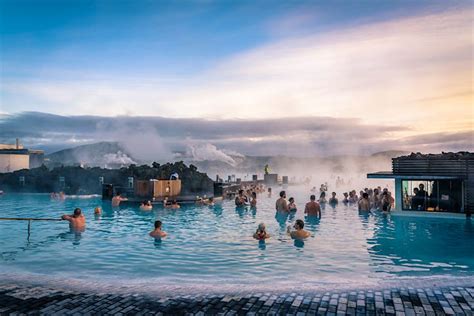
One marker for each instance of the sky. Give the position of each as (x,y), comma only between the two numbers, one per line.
(252,77)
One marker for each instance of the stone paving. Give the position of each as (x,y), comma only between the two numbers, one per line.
(16,300)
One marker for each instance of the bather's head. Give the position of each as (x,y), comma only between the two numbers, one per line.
(299,224)
(77,212)
(157,224)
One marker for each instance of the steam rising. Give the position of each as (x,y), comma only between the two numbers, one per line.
(210,152)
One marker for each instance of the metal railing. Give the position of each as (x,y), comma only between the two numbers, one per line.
(29,219)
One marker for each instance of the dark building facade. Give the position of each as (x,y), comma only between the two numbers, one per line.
(432,182)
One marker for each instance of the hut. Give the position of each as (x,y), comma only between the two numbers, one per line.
(432,182)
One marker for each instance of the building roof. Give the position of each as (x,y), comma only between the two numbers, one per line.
(443,156)
(14,152)
(391,175)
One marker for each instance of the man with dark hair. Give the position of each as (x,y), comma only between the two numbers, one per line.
(77,221)
(157,233)
(313,208)
(299,232)
(364,203)
(241,199)
(281,205)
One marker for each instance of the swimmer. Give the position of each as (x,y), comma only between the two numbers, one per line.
(299,232)
(364,203)
(157,233)
(386,202)
(292,205)
(281,205)
(77,221)
(333,200)
(146,206)
(322,197)
(261,233)
(173,205)
(346,198)
(313,208)
(209,202)
(117,199)
(241,199)
(253,202)
(97,211)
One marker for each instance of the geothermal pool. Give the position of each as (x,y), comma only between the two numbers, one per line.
(212,249)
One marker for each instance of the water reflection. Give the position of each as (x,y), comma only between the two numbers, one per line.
(281,218)
(312,223)
(74,235)
(299,243)
(414,246)
(157,242)
(217,209)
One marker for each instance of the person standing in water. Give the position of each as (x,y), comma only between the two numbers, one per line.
(299,232)
(281,205)
(241,199)
(333,200)
(157,233)
(117,199)
(77,221)
(364,203)
(312,208)
(253,201)
(322,197)
(292,205)
(261,233)
(173,205)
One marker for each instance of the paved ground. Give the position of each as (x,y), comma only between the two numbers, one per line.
(16,299)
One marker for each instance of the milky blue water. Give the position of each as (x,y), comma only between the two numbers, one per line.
(212,247)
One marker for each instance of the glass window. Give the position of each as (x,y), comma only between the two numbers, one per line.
(433,196)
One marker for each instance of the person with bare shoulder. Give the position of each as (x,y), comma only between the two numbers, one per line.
(261,233)
(77,221)
(157,233)
(364,203)
(281,204)
(117,199)
(312,208)
(299,232)
(173,205)
(253,201)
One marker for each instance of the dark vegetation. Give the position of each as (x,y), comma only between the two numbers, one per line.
(78,180)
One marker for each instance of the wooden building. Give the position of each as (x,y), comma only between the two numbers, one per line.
(432,182)
(157,189)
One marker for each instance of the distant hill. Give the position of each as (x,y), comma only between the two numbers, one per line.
(114,155)
(103,154)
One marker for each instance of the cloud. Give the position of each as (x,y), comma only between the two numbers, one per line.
(159,138)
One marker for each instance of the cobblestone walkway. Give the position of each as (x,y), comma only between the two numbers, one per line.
(31,300)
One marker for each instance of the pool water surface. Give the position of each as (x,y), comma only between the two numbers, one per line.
(213,246)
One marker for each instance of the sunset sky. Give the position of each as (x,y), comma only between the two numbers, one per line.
(254,77)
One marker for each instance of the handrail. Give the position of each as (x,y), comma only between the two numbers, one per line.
(28,219)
